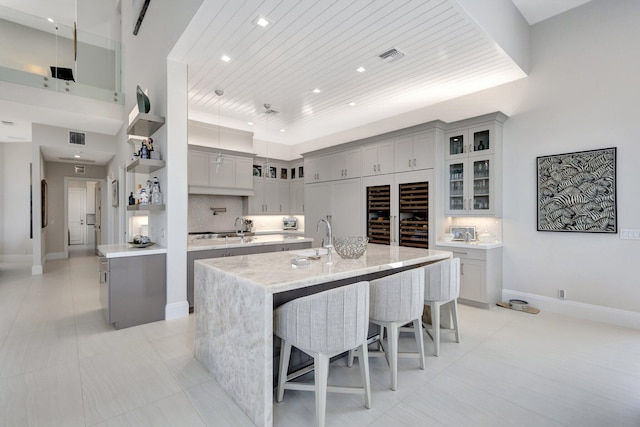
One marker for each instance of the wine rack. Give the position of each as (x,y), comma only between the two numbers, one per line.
(378,214)
(414,214)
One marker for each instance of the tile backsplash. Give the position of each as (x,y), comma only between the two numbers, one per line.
(201,217)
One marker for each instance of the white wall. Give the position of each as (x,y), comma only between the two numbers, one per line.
(15,242)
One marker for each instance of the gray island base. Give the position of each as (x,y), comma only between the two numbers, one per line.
(234,301)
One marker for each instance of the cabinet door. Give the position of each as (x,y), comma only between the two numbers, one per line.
(481,185)
(283,197)
(353,163)
(423,150)
(338,166)
(271,198)
(456,144)
(456,198)
(243,173)
(256,202)
(346,208)
(404,155)
(198,163)
(473,280)
(482,140)
(317,201)
(296,197)
(385,157)
(317,169)
(370,160)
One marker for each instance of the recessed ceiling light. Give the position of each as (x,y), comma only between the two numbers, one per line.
(77,156)
(352,103)
(50,20)
(225,58)
(263,22)
(316,90)
(283,130)
(250,123)
(360,69)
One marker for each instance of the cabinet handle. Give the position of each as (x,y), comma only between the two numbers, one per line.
(409,162)
(414,162)
(461,269)
(374,168)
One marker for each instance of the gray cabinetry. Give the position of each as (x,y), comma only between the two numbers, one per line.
(133,289)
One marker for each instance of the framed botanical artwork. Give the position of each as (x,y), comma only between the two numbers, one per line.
(114,193)
(463,233)
(577,192)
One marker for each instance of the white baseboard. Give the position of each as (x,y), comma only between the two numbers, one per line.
(598,313)
(55,255)
(176,310)
(37,270)
(16,259)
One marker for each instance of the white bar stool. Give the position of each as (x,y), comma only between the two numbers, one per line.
(324,325)
(441,287)
(395,301)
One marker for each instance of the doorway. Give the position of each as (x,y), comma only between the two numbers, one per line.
(76,216)
(83,199)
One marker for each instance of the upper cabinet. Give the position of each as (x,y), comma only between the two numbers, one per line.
(346,164)
(469,142)
(219,173)
(317,169)
(415,152)
(377,158)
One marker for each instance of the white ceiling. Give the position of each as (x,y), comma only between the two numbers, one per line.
(319,45)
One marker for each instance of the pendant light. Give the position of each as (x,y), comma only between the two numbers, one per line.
(219,158)
(269,112)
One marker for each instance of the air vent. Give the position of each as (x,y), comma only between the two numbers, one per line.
(76,138)
(74,159)
(79,169)
(391,55)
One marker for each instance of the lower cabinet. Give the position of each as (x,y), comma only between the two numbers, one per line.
(133,289)
(224,252)
(480,275)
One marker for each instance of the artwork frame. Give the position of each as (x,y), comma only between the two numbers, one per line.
(44,203)
(577,192)
(115,196)
(459,232)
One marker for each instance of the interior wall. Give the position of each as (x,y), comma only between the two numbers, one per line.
(15,239)
(56,172)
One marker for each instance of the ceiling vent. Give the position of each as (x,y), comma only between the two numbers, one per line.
(78,169)
(76,138)
(75,159)
(269,111)
(391,55)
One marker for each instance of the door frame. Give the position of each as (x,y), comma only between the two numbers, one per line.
(102,181)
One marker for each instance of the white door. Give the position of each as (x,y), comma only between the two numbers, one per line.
(98,201)
(77,210)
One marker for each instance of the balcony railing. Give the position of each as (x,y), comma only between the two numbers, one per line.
(56,57)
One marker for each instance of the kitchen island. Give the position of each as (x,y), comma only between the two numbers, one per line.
(234,301)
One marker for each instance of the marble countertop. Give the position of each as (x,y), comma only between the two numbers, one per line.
(196,244)
(275,272)
(124,250)
(472,245)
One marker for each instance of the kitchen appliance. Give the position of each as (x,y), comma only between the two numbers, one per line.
(290,223)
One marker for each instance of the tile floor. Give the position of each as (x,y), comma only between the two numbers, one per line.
(62,365)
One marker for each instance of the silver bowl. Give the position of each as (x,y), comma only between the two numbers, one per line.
(350,247)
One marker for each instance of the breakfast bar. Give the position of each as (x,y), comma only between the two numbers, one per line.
(234,301)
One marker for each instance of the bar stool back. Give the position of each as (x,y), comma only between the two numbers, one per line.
(441,287)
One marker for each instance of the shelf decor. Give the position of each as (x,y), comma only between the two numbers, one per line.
(577,191)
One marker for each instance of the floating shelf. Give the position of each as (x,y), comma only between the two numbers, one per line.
(145,207)
(145,165)
(145,124)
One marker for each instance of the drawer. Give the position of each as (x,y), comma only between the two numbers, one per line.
(469,253)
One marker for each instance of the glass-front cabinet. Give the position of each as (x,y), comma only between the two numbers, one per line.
(478,141)
(470,186)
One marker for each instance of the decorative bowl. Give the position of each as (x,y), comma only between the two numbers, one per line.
(447,237)
(350,247)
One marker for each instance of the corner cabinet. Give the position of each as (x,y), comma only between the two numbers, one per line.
(473,170)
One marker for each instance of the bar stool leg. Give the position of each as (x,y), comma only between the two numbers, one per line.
(321,362)
(285,354)
(454,313)
(393,353)
(435,326)
(417,330)
(363,361)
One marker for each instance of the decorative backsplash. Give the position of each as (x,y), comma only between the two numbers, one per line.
(201,217)
(492,226)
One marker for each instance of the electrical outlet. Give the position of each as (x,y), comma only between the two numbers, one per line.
(630,234)
(562,294)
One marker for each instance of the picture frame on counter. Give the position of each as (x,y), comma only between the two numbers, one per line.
(459,233)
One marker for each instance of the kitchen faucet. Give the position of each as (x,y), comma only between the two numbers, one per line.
(239,231)
(328,246)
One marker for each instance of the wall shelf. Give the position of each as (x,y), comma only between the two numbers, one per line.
(145,124)
(145,165)
(145,207)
